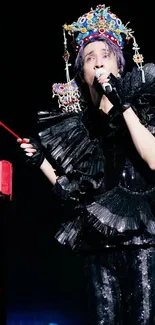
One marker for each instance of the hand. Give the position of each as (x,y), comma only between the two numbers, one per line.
(111,89)
(32,151)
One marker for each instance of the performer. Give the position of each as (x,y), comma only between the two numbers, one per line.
(98,151)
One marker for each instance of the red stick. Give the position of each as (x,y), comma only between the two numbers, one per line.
(9,130)
(13,133)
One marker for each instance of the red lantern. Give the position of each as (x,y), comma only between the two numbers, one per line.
(6,179)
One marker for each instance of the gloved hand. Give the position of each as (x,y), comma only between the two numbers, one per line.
(111,89)
(32,151)
(114,95)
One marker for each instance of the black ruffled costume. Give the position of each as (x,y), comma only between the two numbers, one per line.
(109,186)
(110,192)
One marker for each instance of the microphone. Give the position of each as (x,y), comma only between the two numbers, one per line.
(106,86)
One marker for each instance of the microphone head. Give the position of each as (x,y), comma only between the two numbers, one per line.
(99,71)
(105,86)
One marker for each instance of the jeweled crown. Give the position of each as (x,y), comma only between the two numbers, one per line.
(101,21)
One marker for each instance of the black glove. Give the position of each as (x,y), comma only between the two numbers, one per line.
(113,93)
(37,158)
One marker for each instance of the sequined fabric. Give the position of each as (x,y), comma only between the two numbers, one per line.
(121,287)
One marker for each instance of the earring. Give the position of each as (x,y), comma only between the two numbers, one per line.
(68,96)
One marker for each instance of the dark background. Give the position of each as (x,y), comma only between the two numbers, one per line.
(40,274)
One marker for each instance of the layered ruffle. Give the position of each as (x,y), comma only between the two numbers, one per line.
(114,218)
(78,159)
(123,210)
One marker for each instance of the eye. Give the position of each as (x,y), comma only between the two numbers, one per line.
(89,58)
(106,55)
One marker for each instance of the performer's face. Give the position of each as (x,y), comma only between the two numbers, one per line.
(97,55)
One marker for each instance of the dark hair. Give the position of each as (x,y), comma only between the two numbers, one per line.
(78,67)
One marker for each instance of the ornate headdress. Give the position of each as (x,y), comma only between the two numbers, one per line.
(97,22)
